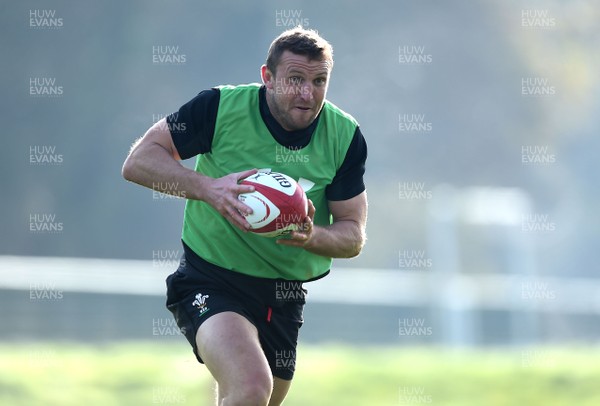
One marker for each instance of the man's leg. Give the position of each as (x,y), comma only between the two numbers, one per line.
(280,390)
(229,346)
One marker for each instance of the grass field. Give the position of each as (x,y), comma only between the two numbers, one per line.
(139,373)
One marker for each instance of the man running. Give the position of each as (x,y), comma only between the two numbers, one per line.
(238,297)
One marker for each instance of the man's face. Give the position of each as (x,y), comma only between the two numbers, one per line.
(296,93)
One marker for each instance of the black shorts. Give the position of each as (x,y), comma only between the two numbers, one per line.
(197,291)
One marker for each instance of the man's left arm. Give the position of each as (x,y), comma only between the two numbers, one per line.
(344,238)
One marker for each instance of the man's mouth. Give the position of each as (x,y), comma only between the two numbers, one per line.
(303,108)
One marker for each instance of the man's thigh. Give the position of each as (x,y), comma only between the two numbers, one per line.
(229,346)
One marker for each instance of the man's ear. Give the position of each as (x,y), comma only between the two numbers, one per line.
(267,77)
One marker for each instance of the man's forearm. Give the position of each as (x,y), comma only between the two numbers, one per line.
(152,166)
(342,239)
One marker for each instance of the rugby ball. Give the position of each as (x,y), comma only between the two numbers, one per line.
(279,204)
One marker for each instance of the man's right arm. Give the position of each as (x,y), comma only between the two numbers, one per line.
(153,162)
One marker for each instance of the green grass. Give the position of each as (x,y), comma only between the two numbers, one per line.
(140,373)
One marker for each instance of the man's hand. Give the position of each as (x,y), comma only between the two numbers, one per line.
(222,194)
(342,239)
(302,236)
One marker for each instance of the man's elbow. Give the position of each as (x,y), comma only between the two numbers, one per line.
(128,169)
(356,248)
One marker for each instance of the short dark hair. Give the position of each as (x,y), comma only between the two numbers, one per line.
(300,41)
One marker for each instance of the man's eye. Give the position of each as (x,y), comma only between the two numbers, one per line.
(320,81)
(295,80)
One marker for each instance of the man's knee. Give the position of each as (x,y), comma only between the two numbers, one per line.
(255,391)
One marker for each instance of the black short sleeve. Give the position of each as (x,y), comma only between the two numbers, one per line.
(348,181)
(193,126)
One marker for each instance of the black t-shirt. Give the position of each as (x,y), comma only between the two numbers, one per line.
(193,127)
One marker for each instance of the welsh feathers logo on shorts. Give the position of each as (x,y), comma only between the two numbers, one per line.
(200,303)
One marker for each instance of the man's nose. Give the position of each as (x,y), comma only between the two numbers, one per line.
(306,92)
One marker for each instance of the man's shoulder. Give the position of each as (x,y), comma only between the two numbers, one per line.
(338,113)
(239,88)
